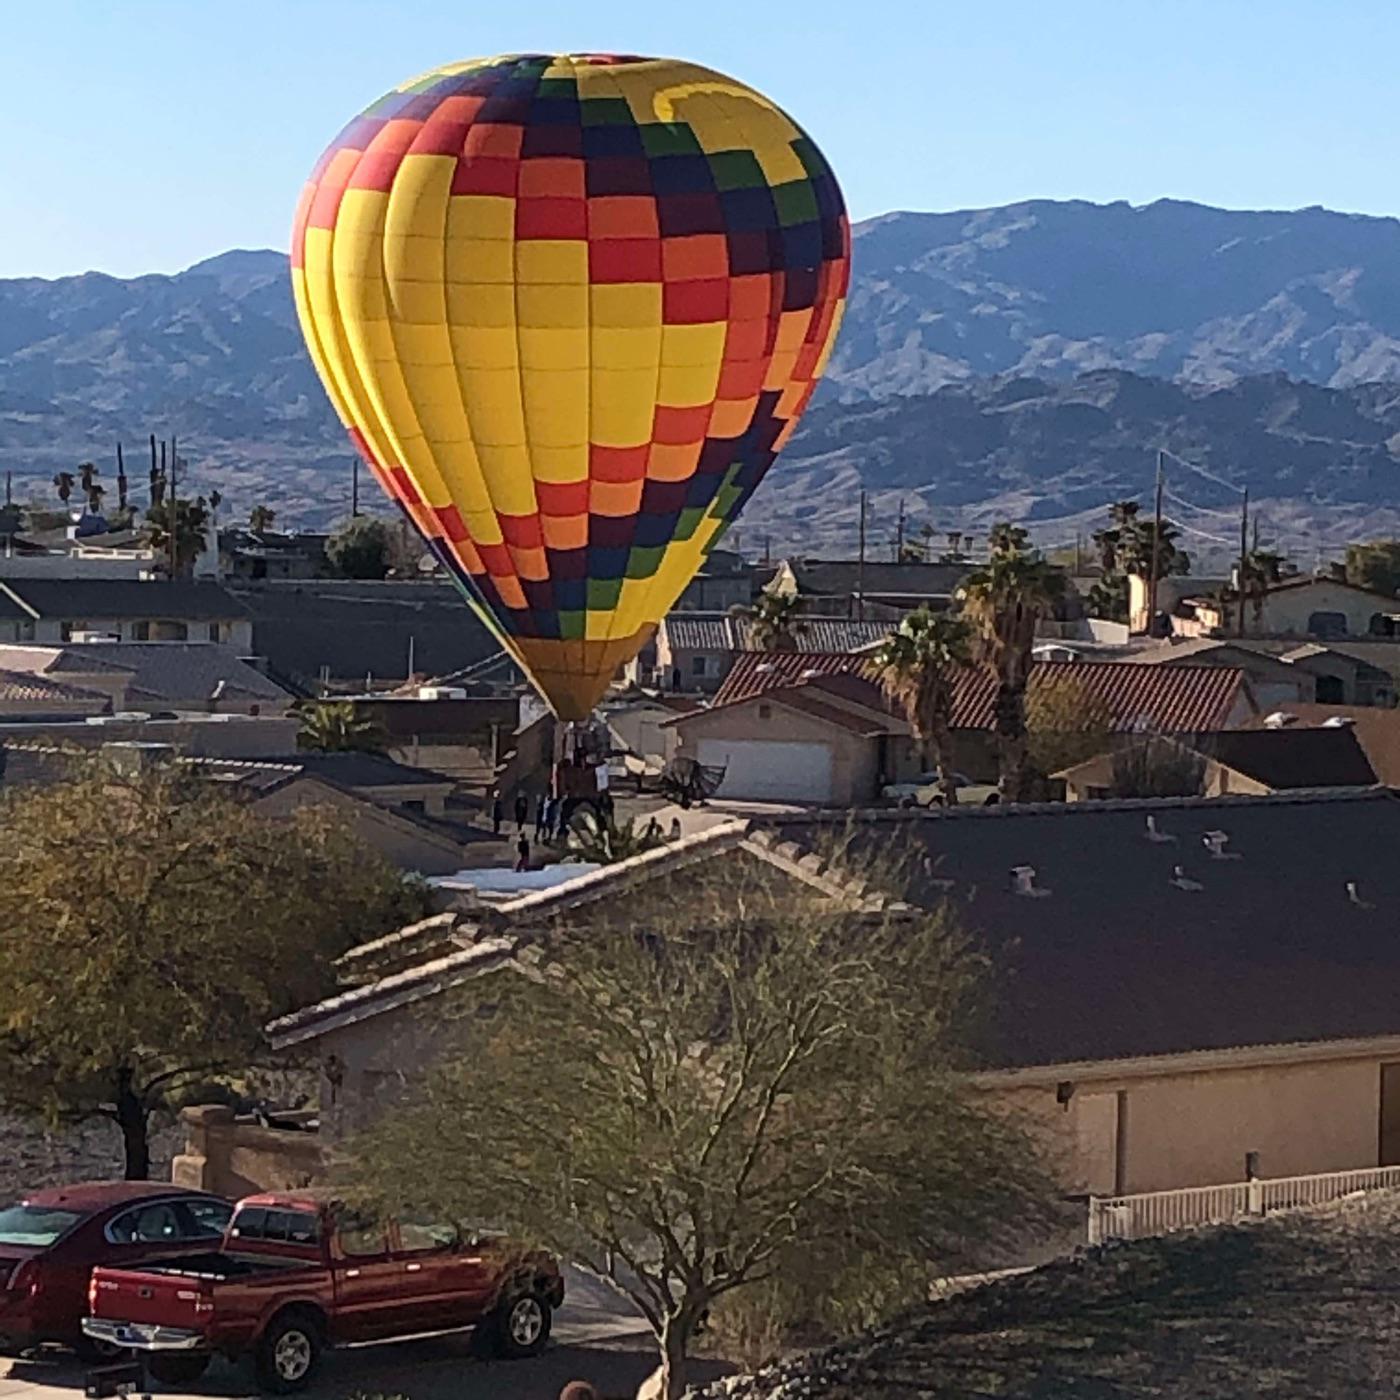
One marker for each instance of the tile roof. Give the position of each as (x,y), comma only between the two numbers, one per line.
(1117,961)
(1168,699)
(160,671)
(17,687)
(696,631)
(91,599)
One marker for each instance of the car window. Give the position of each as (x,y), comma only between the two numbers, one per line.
(205,1220)
(156,1223)
(361,1236)
(279,1226)
(424,1236)
(35,1225)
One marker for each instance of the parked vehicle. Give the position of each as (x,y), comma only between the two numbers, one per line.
(927,791)
(298,1272)
(50,1241)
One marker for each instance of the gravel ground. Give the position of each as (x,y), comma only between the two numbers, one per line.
(30,1157)
(1303,1306)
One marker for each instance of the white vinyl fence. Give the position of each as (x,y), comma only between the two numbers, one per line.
(1159,1212)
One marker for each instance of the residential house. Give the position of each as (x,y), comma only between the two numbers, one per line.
(1328,609)
(1249,761)
(871,589)
(162,676)
(271,554)
(193,733)
(1377,731)
(348,632)
(693,652)
(724,581)
(127,610)
(815,728)
(1286,672)
(1176,987)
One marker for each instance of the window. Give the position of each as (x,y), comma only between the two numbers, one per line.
(697,665)
(25,630)
(157,1223)
(765,711)
(1331,691)
(1327,624)
(208,1219)
(279,1226)
(35,1226)
(360,1236)
(423,1236)
(214,632)
(140,631)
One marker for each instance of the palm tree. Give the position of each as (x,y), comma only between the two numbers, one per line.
(64,481)
(773,622)
(1004,602)
(916,667)
(261,518)
(600,840)
(337,726)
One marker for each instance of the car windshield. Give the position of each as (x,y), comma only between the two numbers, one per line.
(34,1225)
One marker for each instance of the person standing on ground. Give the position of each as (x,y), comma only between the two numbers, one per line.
(541,817)
(497,813)
(522,810)
(522,851)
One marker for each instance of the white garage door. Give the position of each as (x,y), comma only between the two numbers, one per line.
(759,771)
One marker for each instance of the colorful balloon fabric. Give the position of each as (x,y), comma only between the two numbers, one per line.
(569,309)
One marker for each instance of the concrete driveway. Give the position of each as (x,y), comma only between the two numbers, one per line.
(595,1338)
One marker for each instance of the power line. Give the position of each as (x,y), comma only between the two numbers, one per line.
(1191,505)
(1204,471)
(1206,535)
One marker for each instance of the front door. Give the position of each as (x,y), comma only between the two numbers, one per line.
(446,1281)
(368,1280)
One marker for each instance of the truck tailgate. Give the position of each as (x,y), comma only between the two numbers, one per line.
(129,1295)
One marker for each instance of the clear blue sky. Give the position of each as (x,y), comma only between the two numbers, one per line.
(143,135)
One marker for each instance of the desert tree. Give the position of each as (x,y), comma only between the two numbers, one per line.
(774,621)
(149,955)
(1005,601)
(917,667)
(1066,722)
(261,518)
(339,726)
(736,1080)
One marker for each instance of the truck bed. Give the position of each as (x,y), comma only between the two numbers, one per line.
(219,1267)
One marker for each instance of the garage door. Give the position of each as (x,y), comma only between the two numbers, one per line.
(759,771)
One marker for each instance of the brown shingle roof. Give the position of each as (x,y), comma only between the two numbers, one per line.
(1168,699)
(18,686)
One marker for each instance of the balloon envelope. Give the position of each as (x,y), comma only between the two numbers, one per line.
(570,308)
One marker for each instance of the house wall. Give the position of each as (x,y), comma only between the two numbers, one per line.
(641,729)
(235,1159)
(853,757)
(1163,1132)
(398,841)
(1094,778)
(1289,612)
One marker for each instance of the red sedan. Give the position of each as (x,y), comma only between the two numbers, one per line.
(51,1240)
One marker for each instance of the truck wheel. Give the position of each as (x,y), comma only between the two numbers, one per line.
(520,1325)
(177,1367)
(289,1352)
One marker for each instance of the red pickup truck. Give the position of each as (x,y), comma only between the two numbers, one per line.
(299,1271)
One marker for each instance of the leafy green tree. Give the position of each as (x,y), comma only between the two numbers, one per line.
(749,1083)
(1005,601)
(916,667)
(339,726)
(151,957)
(1066,723)
(191,524)
(261,518)
(774,621)
(1375,565)
(601,840)
(365,547)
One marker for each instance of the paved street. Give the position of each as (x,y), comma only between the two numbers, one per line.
(595,1339)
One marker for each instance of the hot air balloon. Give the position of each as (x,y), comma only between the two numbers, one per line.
(569,309)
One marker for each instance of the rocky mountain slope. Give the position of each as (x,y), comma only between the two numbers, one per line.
(1023,361)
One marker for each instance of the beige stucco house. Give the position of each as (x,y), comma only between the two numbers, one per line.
(1175,985)
(1322,608)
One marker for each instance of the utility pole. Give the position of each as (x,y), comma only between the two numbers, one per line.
(9,488)
(860,564)
(354,486)
(121,480)
(899,534)
(170,510)
(1156,551)
(1244,555)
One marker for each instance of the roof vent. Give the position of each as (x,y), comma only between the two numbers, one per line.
(808,675)
(764,667)
(1338,722)
(1279,720)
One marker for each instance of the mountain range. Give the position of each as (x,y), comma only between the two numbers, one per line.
(1024,361)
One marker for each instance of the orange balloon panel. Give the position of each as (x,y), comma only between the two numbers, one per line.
(569,309)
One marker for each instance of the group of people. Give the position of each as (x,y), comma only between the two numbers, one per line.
(547,812)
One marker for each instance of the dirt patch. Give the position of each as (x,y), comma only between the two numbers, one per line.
(1304,1306)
